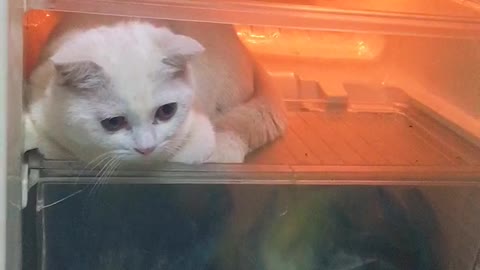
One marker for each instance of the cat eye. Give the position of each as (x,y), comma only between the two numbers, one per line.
(114,123)
(166,111)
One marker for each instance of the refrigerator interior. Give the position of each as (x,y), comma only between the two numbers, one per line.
(378,95)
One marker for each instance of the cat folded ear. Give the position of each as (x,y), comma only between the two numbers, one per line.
(179,50)
(80,75)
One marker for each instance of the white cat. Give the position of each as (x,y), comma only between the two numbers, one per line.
(133,89)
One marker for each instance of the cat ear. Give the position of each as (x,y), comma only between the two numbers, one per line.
(80,75)
(180,49)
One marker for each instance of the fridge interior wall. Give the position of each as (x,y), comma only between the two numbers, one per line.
(441,75)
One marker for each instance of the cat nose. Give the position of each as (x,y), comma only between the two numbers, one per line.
(145,151)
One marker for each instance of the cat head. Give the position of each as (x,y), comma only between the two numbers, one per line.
(124,89)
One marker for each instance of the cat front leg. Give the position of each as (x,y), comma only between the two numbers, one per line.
(199,143)
(204,145)
(253,124)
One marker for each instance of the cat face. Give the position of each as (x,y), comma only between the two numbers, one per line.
(125,89)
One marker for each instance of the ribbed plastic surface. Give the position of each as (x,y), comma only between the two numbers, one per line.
(368,139)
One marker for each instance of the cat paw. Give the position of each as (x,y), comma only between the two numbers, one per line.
(229,148)
(200,144)
(188,157)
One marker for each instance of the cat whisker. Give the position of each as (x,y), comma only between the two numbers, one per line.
(108,172)
(97,158)
(113,166)
(97,161)
(105,166)
(100,173)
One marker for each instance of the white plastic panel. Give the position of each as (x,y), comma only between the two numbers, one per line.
(11,142)
(3,130)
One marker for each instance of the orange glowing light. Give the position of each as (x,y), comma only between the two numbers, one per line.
(310,44)
(37,27)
